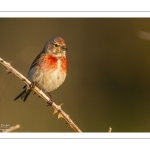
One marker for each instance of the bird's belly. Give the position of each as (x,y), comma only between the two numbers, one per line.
(51,80)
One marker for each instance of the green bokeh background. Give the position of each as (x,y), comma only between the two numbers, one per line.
(108,81)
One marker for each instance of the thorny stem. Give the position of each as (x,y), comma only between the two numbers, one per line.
(57,109)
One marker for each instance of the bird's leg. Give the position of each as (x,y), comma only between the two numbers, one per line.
(50,102)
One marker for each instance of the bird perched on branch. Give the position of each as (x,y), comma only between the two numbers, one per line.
(48,70)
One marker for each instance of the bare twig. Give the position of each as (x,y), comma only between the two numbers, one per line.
(57,109)
(110,129)
(144,35)
(12,128)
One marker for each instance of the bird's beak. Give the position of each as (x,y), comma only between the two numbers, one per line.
(64,48)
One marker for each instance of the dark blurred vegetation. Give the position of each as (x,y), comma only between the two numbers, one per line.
(108,82)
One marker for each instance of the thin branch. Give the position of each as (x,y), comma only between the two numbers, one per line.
(143,35)
(57,109)
(110,129)
(12,128)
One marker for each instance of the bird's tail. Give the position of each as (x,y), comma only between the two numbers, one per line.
(24,94)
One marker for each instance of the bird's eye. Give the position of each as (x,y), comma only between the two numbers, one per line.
(56,45)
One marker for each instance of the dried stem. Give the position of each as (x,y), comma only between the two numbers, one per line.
(12,128)
(57,109)
(110,129)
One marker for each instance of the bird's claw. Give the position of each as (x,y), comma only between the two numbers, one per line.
(49,103)
(32,85)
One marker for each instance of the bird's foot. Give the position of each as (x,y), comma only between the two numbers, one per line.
(50,102)
(32,85)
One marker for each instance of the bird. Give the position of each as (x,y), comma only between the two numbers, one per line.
(49,69)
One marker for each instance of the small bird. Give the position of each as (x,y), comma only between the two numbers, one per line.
(49,69)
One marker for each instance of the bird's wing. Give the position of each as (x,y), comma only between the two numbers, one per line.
(37,60)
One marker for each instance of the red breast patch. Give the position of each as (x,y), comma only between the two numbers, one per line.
(49,62)
(64,64)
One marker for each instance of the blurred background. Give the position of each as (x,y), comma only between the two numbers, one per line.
(108,81)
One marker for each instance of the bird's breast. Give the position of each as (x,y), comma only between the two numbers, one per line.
(50,62)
